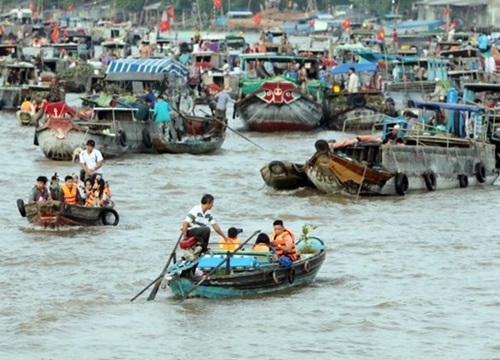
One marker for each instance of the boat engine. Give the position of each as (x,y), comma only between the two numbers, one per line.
(192,247)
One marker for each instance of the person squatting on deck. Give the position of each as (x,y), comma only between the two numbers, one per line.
(196,224)
(283,241)
(91,160)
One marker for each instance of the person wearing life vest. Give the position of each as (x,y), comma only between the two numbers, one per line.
(231,242)
(283,241)
(262,244)
(69,192)
(27,106)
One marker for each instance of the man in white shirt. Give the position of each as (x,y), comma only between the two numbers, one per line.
(91,160)
(196,224)
(353,86)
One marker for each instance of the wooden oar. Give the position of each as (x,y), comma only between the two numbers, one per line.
(205,277)
(159,278)
(236,132)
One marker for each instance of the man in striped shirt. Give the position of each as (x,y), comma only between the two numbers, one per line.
(198,220)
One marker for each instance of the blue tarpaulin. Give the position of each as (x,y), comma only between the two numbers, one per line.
(344,68)
(150,66)
(447,106)
(374,57)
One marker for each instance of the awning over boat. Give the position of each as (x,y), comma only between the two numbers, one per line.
(344,68)
(374,57)
(144,69)
(447,106)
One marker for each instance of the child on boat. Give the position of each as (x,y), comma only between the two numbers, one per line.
(232,241)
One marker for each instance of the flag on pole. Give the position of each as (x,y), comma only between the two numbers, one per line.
(55,34)
(257,19)
(447,10)
(381,34)
(346,25)
(217,3)
(164,25)
(171,12)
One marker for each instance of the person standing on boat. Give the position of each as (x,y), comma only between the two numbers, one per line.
(186,104)
(283,241)
(196,224)
(353,86)
(222,98)
(39,191)
(91,160)
(162,116)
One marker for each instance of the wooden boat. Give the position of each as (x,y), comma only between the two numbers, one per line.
(65,131)
(278,103)
(247,273)
(285,175)
(425,157)
(198,136)
(54,214)
(26,118)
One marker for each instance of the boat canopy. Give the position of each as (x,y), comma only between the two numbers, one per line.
(344,68)
(375,57)
(448,106)
(144,69)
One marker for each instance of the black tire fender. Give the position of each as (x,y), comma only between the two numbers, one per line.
(307,266)
(274,274)
(430,180)
(322,146)
(480,172)
(122,137)
(401,183)
(146,138)
(277,167)
(104,218)
(358,100)
(463,180)
(20,206)
(411,103)
(81,88)
(291,275)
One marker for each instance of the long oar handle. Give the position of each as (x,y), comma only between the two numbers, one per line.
(162,272)
(220,264)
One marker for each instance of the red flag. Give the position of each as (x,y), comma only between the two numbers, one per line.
(381,34)
(346,24)
(312,23)
(257,19)
(55,34)
(171,12)
(164,25)
(447,10)
(70,8)
(217,3)
(32,6)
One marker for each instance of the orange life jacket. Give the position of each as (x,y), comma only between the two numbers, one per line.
(70,196)
(90,199)
(26,106)
(230,245)
(260,248)
(280,240)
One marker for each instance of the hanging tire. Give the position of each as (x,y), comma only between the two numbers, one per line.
(274,274)
(146,138)
(358,100)
(35,140)
(322,146)
(480,172)
(463,180)
(277,167)
(21,208)
(401,183)
(430,180)
(105,214)
(307,266)
(122,137)
(411,104)
(291,275)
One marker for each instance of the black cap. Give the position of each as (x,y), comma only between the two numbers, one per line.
(42,179)
(91,143)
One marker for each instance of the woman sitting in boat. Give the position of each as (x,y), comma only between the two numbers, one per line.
(283,241)
(232,241)
(262,244)
(95,197)
(40,191)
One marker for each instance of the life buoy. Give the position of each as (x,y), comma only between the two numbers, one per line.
(274,274)
(277,167)
(322,146)
(20,206)
(105,220)
(463,180)
(307,266)
(291,275)
(146,138)
(401,183)
(358,100)
(480,172)
(122,136)
(430,180)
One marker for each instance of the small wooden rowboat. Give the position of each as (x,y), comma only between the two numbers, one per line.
(285,175)
(246,273)
(26,118)
(54,214)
